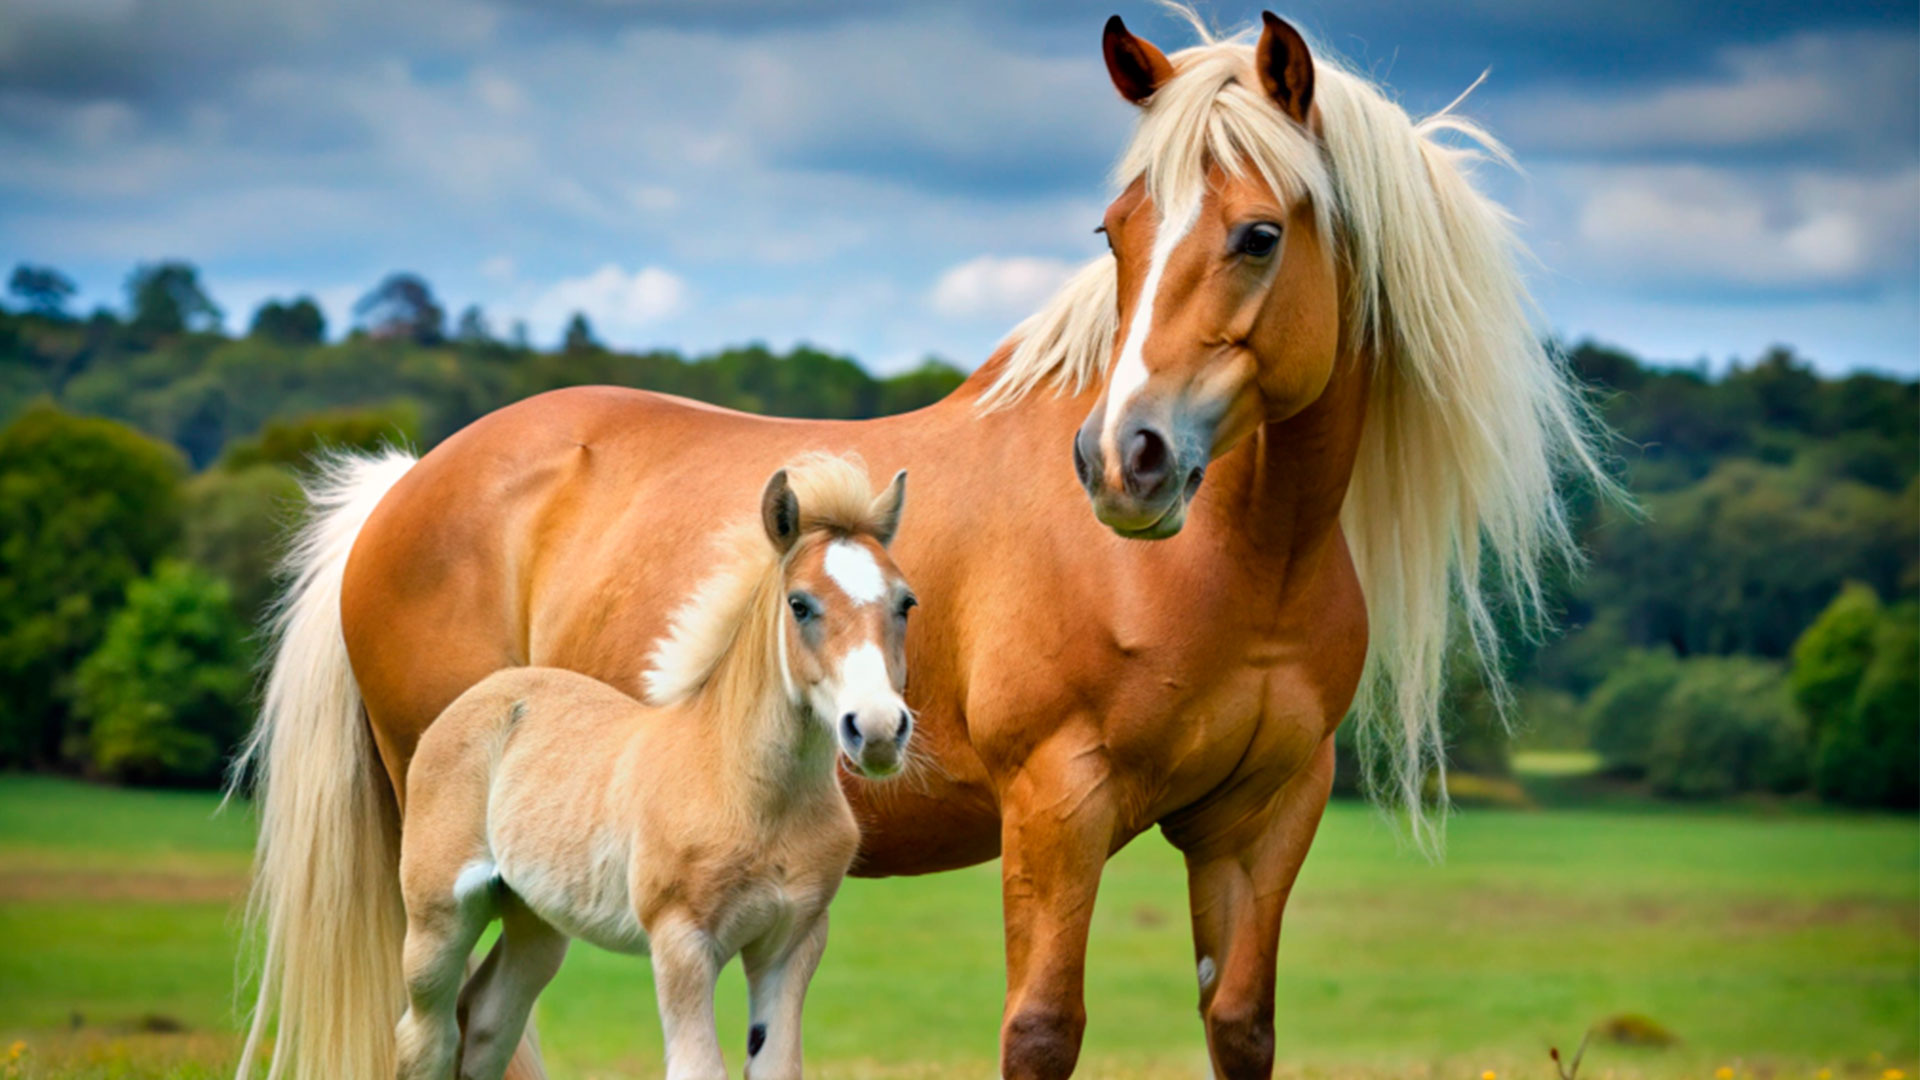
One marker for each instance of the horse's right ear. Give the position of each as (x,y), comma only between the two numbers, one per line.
(780,512)
(1137,68)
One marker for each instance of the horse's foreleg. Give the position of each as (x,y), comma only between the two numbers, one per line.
(1059,816)
(500,995)
(685,967)
(777,985)
(1241,864)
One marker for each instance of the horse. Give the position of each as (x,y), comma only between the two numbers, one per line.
(1302,395)
(702,825)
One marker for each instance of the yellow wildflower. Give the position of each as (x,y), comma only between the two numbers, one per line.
(1724,1072)
(1489,1075)
(1894,1074)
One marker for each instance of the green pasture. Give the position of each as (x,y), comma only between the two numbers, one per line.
(1771,943)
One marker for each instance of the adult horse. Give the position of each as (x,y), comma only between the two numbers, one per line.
(1306,372)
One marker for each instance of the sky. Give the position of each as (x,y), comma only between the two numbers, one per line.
(896,180)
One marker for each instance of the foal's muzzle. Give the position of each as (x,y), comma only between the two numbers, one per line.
(874,739)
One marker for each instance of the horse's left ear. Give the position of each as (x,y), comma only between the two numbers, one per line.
(887,506)
(780,512)
(1286,67)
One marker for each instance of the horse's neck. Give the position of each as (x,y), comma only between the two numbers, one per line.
(1288,483)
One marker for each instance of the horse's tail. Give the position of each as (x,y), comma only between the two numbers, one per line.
(326,888)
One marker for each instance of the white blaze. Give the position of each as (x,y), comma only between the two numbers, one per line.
(1130,371)
(851,567)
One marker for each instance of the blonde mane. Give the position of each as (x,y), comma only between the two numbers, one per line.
(725,641)
(1470,422)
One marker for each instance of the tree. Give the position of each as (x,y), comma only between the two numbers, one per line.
(163,699)
(236,523)
(403,306)
(1726,728)
(296,322)
(472,328)
(1624,711)
(294,442)
(579,334)
(1856,676)
(1832,656)
(86,506)
(42,289)
(166,298)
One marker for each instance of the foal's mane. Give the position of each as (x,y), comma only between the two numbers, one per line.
(725,648)
(1470,421)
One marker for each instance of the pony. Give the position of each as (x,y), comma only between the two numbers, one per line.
(701,825)
(1304,401)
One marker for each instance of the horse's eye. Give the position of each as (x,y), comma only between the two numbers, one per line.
(1259,240)
(802,609)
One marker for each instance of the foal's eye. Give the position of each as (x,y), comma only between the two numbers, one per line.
(801,607)
(1259,240)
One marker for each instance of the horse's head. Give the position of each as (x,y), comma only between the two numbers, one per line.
(1229,313)
(846,618)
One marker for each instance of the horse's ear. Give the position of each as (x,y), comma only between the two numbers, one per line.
(887,507)
(1286,67)
(780,512)
(1137,68)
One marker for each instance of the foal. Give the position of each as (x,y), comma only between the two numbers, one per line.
(705,825)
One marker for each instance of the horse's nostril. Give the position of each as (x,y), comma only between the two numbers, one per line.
(906,727)
(850,731)
(1081,468)
(1193,481)
(1148,461)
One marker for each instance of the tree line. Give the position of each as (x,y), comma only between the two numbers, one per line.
(1749,626)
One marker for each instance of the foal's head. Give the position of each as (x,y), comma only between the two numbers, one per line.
(1228,302)
(844,625)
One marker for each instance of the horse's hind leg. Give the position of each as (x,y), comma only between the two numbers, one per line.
(1241,864)
(441,932)
(500,996)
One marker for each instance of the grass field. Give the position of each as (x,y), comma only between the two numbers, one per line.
(1771,944)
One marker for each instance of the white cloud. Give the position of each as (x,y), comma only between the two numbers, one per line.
(620,305)
(999,287)
(1811,90)
(1717,228)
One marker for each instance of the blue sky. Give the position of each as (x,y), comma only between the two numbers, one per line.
(893,180)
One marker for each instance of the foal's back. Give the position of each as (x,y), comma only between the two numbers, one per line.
(530,777)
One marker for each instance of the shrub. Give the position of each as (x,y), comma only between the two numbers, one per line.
(1727,727)
(86,506)
(164,697)
(235,522)
(1625,708)
(1869,754)
(1832,656)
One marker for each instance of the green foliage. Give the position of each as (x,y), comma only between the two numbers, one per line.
(294,443)
(1727,727)
(86,506)
(1832,656)
(236,520)
(42,288)
(164,697)
(166,298)
(296,322)
(1623,712)
(579,334)
(403,307)
(1869,734)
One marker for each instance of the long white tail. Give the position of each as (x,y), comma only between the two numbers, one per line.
(326,889)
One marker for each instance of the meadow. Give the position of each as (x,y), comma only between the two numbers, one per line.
(1769,941)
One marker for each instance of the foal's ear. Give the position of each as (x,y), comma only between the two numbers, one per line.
(1137,68)
(887,506)
(780,512)
(1286,67)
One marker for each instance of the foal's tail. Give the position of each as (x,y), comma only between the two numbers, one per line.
(326,884)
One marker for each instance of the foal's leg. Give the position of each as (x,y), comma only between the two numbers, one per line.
(686,964)
(1241,864)
(777,986)
(500,996)
(1059,817)
(441,932)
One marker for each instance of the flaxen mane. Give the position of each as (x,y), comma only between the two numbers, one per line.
(1470,423)
(726,637)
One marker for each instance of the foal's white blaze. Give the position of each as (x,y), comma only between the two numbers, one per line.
(1130,371)
(863,678)
(851,566)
